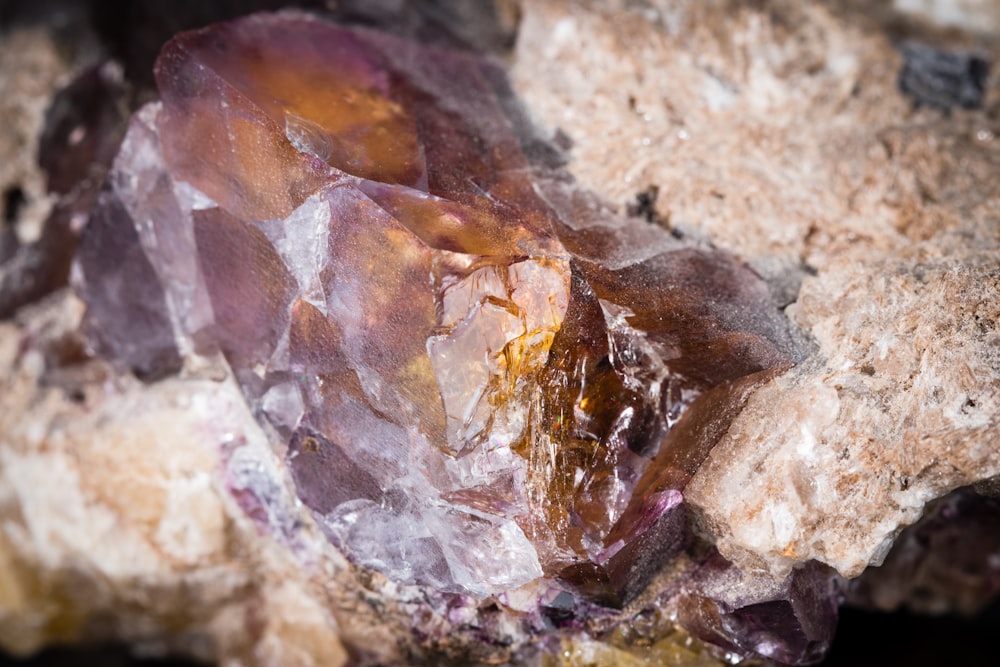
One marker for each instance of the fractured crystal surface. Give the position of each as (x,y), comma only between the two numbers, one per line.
(483,377)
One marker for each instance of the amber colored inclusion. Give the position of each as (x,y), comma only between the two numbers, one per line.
(483,376)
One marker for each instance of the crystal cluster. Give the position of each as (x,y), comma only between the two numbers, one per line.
(483,379)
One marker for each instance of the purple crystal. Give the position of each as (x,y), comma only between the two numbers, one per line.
(791,623)
(482,376)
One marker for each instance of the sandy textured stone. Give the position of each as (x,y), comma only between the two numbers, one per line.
(733,113)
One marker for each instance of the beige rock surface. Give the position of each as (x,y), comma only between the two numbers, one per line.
(835,457)
(777,131)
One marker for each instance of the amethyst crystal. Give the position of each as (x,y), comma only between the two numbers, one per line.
(791,622)
(482,377)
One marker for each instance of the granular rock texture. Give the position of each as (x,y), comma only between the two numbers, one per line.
(866,445)
(179,514)
(982,16)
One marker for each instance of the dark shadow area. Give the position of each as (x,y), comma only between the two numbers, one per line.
(870,639)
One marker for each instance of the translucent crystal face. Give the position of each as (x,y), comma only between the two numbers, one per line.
(483,378)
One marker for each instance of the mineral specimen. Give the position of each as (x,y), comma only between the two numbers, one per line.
(160,513)
(484,379)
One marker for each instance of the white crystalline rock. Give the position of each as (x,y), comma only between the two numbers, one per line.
(830,465)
